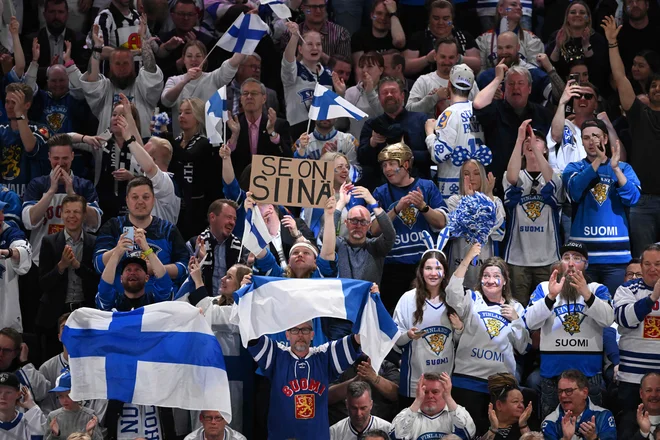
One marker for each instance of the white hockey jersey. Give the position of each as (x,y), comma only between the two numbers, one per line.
(418,426)
(433,352)
(639,326)
(10,309)
(458,137)
(343,430)
(488,341)
(25,426)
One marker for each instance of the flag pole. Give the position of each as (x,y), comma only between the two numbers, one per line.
(207,55)
(301,38)
(224,132)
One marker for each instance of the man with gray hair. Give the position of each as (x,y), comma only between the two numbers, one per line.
(359,404)
(500,118)
(250,68)
(256,131)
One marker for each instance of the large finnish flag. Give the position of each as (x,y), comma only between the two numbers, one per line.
(271,305)
(326,104)
(278,7)
(216,113)
(255,234)
(163,354)
(244,34)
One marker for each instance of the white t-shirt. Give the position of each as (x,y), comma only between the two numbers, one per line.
(569,150)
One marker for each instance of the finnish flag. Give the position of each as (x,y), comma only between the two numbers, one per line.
(328,105)
(244,34)
(216,114)
(163,354)
(255,234)
(271,305)
(278,7)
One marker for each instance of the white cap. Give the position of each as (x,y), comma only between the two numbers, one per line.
(461,77)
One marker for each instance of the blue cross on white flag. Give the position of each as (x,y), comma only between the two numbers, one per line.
(278,7)
(244,34)
(270,305)
(216,111)
(163,354)
(255,235)
(328,105)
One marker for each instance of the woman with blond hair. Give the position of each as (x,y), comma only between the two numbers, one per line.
(193,162)
(196,83)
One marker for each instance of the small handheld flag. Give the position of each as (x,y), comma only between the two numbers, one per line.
(244,34)
(216,112)
(328,105)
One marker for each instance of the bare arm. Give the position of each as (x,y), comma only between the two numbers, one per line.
(329,233)
(228,175)
(19,56)
(472,58)
(415,63)
(485,97)
(626,92)
(292,45)
(93,70)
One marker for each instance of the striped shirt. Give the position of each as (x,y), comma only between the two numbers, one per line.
(335,39)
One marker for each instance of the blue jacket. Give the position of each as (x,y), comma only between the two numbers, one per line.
(605,426)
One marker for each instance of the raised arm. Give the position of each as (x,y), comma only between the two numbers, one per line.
(148,57)
(485,97)
(115,255)
(93,70)
(292,45)
(27,137)
(329,233)
(396,30)
(156,265)
(19,56)
(571,91)
(228,175)
(626,92)
(515,161)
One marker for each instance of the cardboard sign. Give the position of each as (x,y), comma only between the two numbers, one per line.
(291,182)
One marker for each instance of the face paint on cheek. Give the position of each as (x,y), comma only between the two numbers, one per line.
(449,23)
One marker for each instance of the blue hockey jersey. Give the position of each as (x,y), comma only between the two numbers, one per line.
(163,237)
(599,204)
(299,386)
(17,166)
(409,224)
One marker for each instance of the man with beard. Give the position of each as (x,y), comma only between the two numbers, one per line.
(300,375)
(508,50)
(52,39)
(639,31)
(134,277)
(644,121)
(430,93)
(571,314)
(637,314)
(143,89)
(359,405)
(395,125)
(644,422)
(434,413)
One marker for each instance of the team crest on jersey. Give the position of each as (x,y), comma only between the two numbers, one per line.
(10,162)
(54,229)
(304,406)
(532,205)
(436,337)
(43,131)
(409,216)
(599,191)
(55,121)
(432,436)
(306,96)
(443,119)
(571,317)
(651,327)
(494,323)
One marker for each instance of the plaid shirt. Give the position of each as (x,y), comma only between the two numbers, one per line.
(335,39)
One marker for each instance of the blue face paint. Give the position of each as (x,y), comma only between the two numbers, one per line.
(449,23)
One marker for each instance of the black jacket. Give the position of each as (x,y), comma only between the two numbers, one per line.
(80,56)
(54,285)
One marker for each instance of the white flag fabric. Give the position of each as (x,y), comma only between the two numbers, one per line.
(244,34)
(255,234)
(270,305)
(216,113)
(278,8)
(163,354)
(326,104)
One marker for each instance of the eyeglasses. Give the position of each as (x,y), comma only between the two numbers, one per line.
(633,274)
(186,14)
(587,96)
(339,168)
(213,418)
(355,222)
(575,258)
(567,391)
(305,331)
(252,94)
(7,350)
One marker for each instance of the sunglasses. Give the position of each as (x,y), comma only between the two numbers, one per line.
(587,96)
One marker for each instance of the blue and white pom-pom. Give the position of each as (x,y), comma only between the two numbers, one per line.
(474,218)
(160,120)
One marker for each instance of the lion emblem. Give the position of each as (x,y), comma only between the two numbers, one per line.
(533,209)
(10,162)
(436,342)
(408,216)
(55,121)
(493,327)
(304,406)
(572,323)
(599,191)
(652,327)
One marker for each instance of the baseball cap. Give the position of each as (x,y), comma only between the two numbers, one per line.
(134,260)
(2,205)
(62,383)
(594,123)
(575,246)
(10,380)
(461,77)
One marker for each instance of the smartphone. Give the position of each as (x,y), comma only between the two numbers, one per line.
(130,232)
(420,332)
(574,77)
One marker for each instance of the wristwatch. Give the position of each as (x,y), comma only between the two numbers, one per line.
(273,134)
(425,209)
(128,141)
(18,118)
